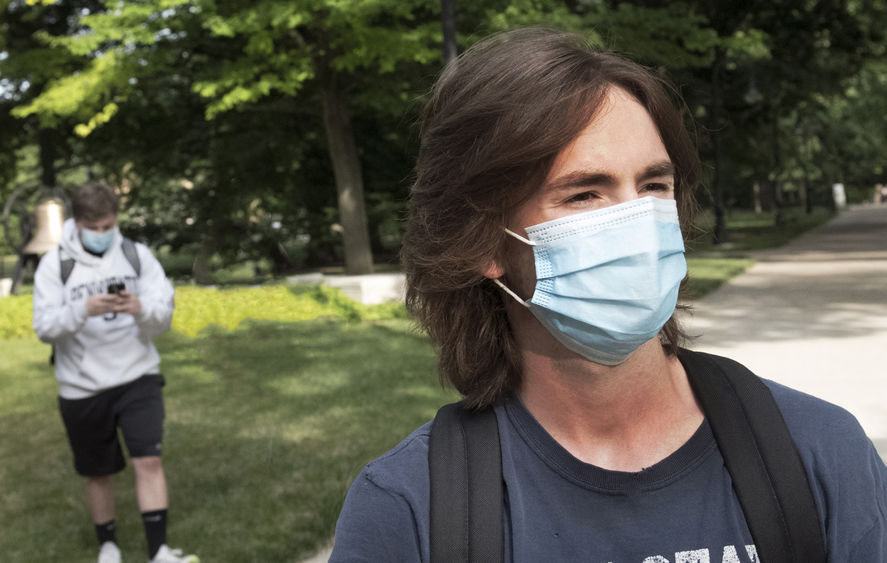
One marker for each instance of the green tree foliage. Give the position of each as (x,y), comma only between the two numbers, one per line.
(814,49)
(839,138)
(242,57)
(283,130)
(27,66)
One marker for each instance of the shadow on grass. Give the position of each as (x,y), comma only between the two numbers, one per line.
(275,420)
(42,505)
(266,427)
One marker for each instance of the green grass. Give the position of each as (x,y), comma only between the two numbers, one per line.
(7,264)
(708,274)
(268,421)
(710,265)
(748,231)
(266,427)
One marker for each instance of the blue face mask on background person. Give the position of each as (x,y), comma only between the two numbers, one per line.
(607,280)
(96,241)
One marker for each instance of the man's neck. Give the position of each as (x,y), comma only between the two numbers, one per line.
(93,252)
(625,417)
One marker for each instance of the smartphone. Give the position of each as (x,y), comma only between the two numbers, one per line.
(116,288)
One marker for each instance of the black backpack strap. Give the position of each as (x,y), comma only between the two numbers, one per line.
(762,459)
(132,255)
(65,266)
(467,499)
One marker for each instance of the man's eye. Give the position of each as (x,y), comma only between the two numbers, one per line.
(657,187)
(582,196)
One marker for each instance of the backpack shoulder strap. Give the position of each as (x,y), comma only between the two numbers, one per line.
(761,457)
(66,265)
(467,499)
(132,255)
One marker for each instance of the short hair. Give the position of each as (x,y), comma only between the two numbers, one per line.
(496,119)
(93,201)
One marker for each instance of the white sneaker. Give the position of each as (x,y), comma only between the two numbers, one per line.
(109,553)
(167,555)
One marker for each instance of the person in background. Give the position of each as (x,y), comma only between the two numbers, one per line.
(99,299)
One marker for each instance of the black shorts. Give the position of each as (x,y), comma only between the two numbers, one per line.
(91,423)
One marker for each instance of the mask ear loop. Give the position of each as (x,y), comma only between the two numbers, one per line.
(511,293)
(502,285)
(520,238)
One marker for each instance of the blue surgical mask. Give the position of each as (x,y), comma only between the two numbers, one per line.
(96,241)
(607,280)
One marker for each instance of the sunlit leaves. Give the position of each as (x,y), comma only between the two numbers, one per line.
(100,118)
(79,94)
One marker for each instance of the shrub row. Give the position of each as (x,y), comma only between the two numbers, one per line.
(199,307)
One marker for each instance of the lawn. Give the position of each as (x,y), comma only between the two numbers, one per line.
(748,231)
(268,421)
(266,427)
(708,274)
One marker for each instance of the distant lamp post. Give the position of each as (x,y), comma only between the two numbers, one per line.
(753,96)
(839,196)
(448,24)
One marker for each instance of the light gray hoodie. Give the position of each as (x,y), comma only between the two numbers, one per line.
(97,353)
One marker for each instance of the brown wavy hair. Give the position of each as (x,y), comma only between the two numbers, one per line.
(93,201)
(496,119)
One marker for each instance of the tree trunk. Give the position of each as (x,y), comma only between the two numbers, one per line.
(200,269)
(756,192)
(45,139)
(777,165)
(804,192)
(448,22)
(719,235)
(349,179)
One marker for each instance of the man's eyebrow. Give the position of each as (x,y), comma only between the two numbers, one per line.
(656,170)
(580,179)
(589,178)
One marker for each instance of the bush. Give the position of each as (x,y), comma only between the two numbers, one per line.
(15,317)
(198,307)
(179,264)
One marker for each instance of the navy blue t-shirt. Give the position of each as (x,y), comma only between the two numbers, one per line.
(681,510)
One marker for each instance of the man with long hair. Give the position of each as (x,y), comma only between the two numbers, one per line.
(544,258)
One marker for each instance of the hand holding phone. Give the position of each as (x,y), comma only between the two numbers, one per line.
(127,301)
(114,289)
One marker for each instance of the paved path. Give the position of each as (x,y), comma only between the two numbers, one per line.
(813,315)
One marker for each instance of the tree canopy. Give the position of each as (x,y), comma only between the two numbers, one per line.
(284,129)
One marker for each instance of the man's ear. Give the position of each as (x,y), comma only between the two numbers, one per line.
(494,270)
